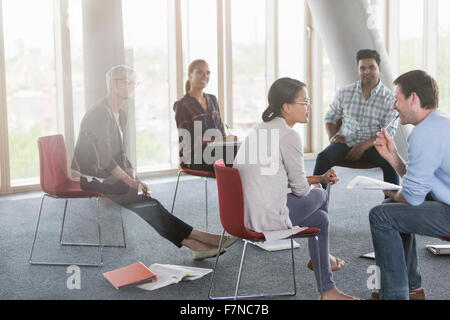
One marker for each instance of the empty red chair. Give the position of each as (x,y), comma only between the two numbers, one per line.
(231,212)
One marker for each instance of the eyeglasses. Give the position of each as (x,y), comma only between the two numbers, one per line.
(307,102)
(129,83)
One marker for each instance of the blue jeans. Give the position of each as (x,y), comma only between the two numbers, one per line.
(312,211)
(392,225)
(335,154)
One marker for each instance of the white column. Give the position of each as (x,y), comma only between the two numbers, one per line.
(271,42)
(63,75)
(103,44)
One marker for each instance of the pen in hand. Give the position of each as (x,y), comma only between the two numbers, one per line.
(390,123)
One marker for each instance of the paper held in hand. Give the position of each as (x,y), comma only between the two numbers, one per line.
(367,183)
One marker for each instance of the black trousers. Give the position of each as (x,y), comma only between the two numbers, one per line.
(335,154)
(148,208)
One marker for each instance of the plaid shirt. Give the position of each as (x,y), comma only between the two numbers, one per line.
(361,118)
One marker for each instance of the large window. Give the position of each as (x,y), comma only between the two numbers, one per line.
(30,83)
(146,48)
(444,55)
(328,91)
(249,62)
(291,47)
(291,39)
(247,44)
(200,37)
(423,37)
(410,35)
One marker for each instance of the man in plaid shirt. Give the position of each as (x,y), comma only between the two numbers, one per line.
(357,113)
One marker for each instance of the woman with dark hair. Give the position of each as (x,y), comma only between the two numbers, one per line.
(268,208)
(201,108)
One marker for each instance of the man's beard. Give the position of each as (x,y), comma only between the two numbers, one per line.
(369,80)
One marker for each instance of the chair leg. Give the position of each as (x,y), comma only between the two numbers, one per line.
(99,232)
(123,228)
(293,267)
(235,297)
(319,267)
(63,220)
(60,263)
(37,227)
(215,268)
(240,269)
(206,197)
(176,189)
(206,202)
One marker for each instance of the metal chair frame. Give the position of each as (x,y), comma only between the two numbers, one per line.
(206,196)
(262,295)
(100,264)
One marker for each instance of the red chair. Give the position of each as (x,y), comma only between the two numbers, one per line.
(231,211)
(56,183)
(198,173)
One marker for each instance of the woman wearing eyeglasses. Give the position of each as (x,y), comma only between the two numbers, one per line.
(200,109)
(101,159)
(268,208)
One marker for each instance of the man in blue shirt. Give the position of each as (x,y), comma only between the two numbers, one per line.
(425,176)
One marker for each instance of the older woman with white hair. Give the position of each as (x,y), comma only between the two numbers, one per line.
(100,157)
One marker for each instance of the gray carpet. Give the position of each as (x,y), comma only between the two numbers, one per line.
(263,271)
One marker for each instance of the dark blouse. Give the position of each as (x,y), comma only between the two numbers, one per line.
(100,147)
(188,109)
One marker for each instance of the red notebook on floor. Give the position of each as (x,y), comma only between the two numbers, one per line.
(129,276)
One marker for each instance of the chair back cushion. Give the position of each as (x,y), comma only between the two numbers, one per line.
(53,163)
(231,202)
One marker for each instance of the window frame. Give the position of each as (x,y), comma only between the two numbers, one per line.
(63,89)
(313,54)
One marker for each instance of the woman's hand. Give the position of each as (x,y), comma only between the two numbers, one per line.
(329,177)
(138,185)
(145,189)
